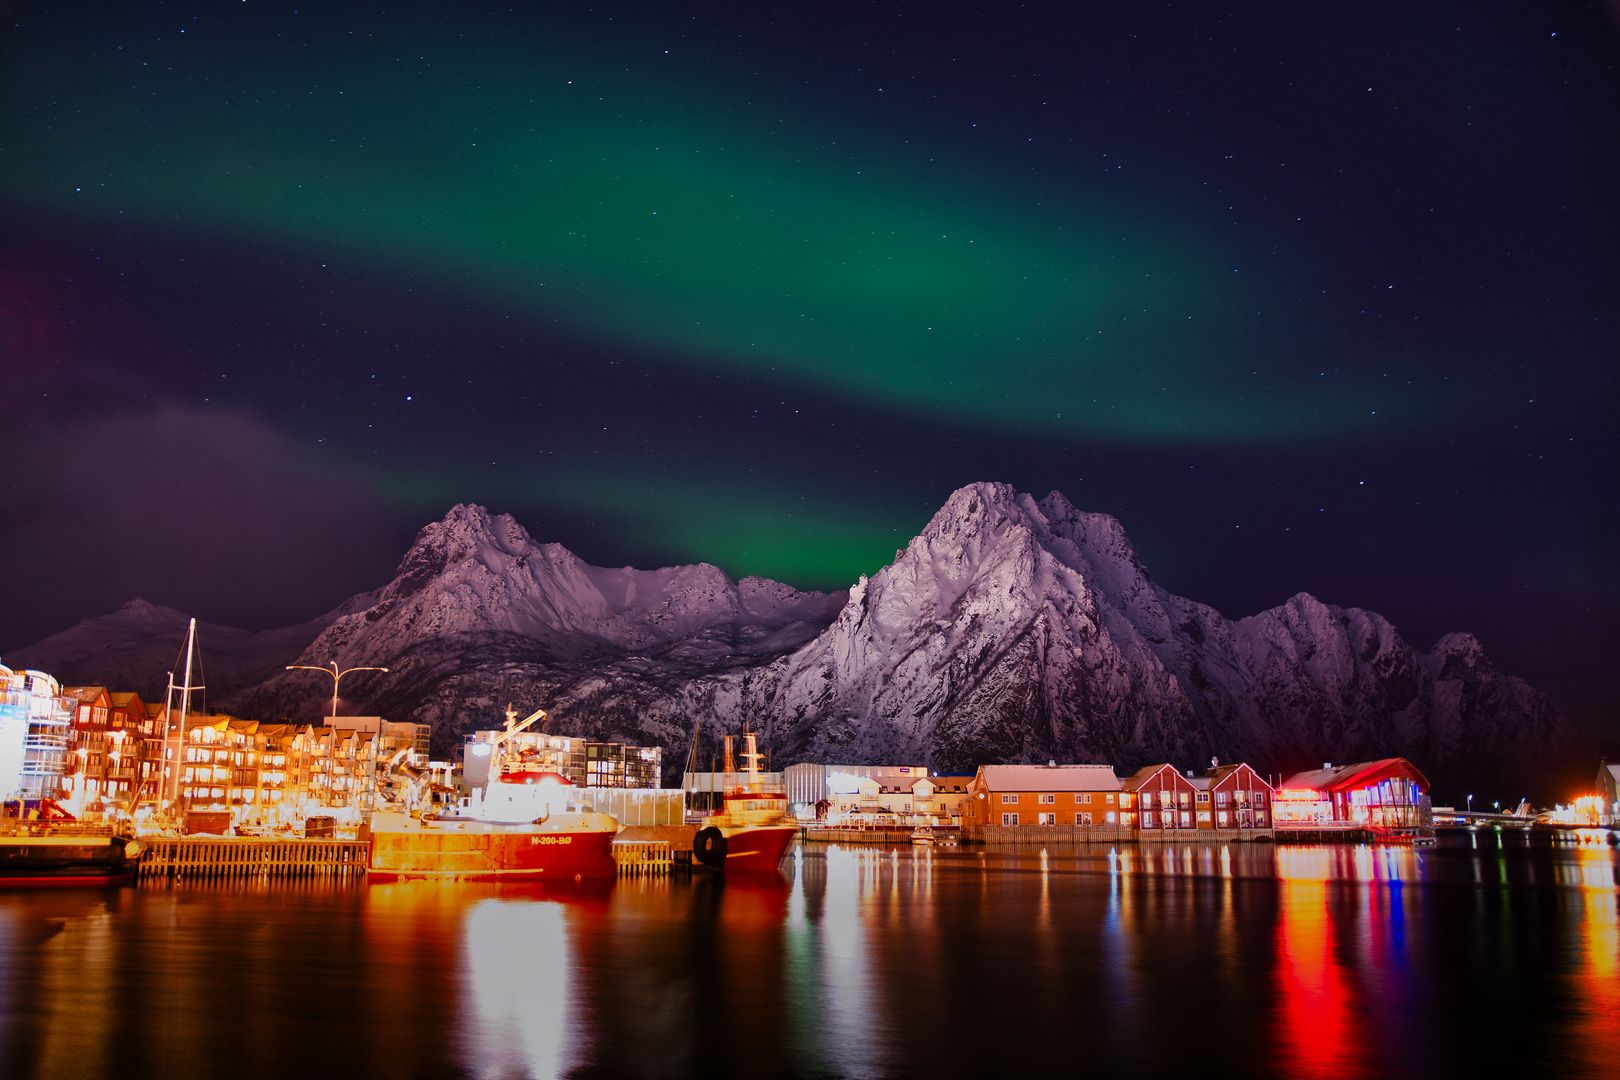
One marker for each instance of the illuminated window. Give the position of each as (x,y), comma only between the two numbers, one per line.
(1046,819)
(1047,799)
(1082,819)
(1083,799)
(1109,799)
(1110,817)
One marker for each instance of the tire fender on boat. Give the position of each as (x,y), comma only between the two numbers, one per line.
(710,846)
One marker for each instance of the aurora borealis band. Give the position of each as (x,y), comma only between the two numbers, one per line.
(1317,302)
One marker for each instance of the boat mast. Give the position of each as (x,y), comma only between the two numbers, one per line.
(185,711)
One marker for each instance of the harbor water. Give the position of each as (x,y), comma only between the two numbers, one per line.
(1492,954)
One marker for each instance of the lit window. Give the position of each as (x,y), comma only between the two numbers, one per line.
(1048,799)
(1082,819)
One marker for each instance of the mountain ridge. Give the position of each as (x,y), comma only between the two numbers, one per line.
(1009,629)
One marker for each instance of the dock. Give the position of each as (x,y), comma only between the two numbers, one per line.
(217,858)
(643,858)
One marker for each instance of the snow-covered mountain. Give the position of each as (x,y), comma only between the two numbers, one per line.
(1010,630)
(1020,630)
(479,614)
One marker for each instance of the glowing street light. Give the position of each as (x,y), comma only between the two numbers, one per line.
(1470,803)
(337,676)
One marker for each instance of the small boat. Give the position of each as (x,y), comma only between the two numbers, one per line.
(753,829)
(522,825)
(54,860)
(923,835)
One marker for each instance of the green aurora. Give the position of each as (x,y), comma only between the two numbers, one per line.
(649,217)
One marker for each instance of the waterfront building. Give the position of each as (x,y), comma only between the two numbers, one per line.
(1160,797)
(950,792)
(584,762)
(1608,786)
(1386,794)
(1239,798)
(13,730)
(863,800)
(1050,794)
(103,755)
(45,748)
(808,784)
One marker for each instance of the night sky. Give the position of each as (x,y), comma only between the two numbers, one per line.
(1312,297)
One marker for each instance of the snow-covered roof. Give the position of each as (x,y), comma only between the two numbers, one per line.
(1048,777)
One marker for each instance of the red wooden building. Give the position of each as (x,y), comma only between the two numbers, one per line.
(1161,798)
(1238,798)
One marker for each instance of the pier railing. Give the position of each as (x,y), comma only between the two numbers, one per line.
(216,857)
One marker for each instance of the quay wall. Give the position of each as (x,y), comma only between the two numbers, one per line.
(1107,834)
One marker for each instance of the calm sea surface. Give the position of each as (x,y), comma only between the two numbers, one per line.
(1487,956)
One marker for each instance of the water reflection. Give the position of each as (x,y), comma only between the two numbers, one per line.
(1493,953)
(518,972)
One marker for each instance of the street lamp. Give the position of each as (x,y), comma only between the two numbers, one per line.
(1470,803)
(337,677)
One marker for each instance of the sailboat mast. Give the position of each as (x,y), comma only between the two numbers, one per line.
(185,711)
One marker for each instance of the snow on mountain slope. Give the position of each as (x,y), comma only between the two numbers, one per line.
(477,603)
(1010,630)
(1017,630)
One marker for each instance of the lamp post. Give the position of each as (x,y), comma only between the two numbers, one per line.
(1470,803)
(337,677)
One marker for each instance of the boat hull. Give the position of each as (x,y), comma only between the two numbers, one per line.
(757,847)
(568,847)
(63,862)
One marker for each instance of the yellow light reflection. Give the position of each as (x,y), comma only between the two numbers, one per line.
(1597,1028)
(517,961)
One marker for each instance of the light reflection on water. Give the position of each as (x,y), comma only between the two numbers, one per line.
(1487,954)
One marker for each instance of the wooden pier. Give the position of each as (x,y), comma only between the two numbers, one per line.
(197,858)
(643,858)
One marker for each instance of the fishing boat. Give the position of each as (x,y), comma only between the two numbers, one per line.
(522,824)
(753,829)
(58,860)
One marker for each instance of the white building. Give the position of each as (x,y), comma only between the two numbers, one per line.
(808,784)
(36,723)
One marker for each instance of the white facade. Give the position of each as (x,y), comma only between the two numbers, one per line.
(13,730)
(807,784)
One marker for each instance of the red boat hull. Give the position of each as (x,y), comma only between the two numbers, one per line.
(449,851)
(751,848)
(64,881)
